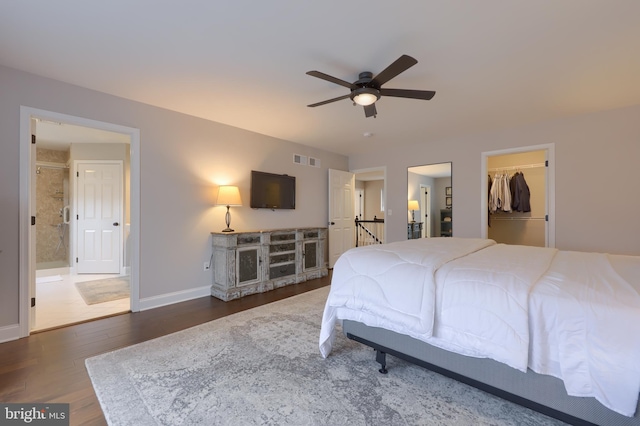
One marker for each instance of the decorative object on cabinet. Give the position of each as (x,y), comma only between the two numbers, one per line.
(414,230)
(413,206)
(254,262)
(228,196)
(446,228)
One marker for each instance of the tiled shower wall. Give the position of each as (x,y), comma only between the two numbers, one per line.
(52,236)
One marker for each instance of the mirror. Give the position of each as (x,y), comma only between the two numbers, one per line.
(429,201)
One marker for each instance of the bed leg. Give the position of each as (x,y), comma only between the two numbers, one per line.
(381,358)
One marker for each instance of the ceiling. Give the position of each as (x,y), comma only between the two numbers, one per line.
(494,63)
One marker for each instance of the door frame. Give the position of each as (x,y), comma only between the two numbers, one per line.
(383,198)
(550,224)
(425,206)
(26,259)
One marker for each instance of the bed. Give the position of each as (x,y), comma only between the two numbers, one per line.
(557,331)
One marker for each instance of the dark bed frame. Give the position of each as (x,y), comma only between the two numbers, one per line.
(542,393)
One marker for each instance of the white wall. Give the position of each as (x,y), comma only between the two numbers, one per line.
(597,158)
(183,159)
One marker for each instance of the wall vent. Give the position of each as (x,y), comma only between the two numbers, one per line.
(300,159)
(314,162)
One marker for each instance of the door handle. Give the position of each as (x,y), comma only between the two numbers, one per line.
(332,223)
(116,224)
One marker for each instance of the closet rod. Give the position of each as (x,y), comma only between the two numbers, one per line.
(524,166)
(517,218)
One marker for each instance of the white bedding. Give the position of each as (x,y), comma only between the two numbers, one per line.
(502,302)
(482,302)
(390,285)
(585,329)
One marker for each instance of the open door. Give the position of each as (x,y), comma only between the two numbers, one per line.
(341,213)
(99,217)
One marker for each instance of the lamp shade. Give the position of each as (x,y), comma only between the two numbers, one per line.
(228,196)
(413,205)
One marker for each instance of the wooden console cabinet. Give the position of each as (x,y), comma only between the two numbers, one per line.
(254,262)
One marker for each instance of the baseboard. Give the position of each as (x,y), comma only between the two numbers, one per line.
(9,332)
(176,297)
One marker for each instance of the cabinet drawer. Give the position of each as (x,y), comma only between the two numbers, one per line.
(310,234)
(282,258)
(289,236)
(248,239)
(279,248)
(282,270)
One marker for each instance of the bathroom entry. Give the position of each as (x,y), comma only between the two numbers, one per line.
(80,173)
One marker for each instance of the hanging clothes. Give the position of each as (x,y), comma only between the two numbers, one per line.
(520,195)
(500,194)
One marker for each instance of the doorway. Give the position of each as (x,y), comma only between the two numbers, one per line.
(528,220)
(50,293)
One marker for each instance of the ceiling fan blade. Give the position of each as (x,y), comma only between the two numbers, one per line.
(413,94)
(339,98)
(401,64)
(370,110)
(327,77)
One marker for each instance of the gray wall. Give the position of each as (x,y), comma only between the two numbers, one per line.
(596,192)
(183,159)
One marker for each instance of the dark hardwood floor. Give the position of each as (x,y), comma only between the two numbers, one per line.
(49,366)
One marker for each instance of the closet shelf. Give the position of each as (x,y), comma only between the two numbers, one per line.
(524,166)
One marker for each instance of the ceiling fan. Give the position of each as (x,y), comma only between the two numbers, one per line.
(368,89)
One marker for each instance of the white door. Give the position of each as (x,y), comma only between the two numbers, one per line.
(425,207)
(99,218)
(341,215)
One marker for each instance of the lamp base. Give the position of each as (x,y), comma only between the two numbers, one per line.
(227,220)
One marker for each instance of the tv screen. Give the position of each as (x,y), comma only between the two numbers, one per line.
(272,191)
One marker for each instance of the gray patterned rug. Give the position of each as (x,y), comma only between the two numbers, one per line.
(263,367)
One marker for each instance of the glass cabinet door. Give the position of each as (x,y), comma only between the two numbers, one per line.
(310,254)
(248,265)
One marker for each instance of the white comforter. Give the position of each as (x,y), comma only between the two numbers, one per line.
(391,285)
(560,313)
(585,330)
(482,307)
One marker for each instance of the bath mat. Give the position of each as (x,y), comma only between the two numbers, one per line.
(100,291)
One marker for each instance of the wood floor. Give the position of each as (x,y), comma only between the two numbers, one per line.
(49,366)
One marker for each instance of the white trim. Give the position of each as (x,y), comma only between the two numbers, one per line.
(26,274)
(9,332)
(549,148)
(384,179)
(175,297)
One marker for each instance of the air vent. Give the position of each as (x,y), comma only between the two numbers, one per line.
(314,162)
(300,159)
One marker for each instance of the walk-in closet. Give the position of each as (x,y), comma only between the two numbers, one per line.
(517,198)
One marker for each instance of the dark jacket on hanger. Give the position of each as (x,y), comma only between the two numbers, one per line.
(520,195)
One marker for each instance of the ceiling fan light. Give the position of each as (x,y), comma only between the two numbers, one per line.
(365,99)
(365,96)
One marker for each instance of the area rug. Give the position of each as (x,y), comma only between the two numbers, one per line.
(263,367)
(100,291)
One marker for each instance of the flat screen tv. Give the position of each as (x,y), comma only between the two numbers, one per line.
(272,191)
